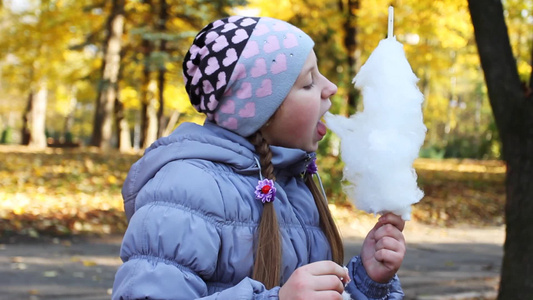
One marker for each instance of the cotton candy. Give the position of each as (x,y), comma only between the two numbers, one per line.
(380,143)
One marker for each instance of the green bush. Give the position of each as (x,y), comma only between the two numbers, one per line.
(7,136)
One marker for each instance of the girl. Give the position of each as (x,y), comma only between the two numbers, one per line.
(229,210)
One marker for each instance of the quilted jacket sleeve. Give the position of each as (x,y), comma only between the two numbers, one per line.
(362,287)
(171,245)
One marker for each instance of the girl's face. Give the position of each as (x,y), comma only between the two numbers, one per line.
(297,124)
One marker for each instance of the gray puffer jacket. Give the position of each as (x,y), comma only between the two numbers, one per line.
(193,215)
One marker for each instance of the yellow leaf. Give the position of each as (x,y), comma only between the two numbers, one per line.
(16,259)
(33,292)
(112,179)
(18,210)
(89,263)
(50,274)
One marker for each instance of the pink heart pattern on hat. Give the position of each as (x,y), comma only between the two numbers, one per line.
(228,107)
(271,44)
(207,87)
(228,27)
(261,29)
(259,68)
(251,49)
(265,89)
(240,35)
(230,123)
(279,65)
(221,42)
(239,72)
(240,69)
(245,91)
(221,80)
(248,111)
(212,60)
(212,66)
(290,41)
(231,57)
(248,22)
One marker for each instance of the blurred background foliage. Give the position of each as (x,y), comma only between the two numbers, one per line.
(54,50)
(57,45)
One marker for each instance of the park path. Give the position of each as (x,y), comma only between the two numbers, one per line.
(447,264)
(441,264)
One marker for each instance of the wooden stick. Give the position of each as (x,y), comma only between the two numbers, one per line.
(390,33)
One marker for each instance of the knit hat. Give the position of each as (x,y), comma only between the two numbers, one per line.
(239,70)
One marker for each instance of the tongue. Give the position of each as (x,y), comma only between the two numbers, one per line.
(321,128)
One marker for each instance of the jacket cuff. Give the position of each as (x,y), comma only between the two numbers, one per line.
(364,284)
(272,294)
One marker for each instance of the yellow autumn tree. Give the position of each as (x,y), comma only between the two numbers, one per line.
(438,41)
(38,65)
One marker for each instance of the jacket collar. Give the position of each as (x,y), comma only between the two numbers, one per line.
(208,142)
(286,161)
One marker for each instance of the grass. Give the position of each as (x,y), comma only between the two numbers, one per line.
(457,192)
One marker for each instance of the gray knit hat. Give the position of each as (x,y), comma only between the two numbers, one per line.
(239,70)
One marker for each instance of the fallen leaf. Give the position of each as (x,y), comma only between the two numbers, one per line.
(89,263)
(16,259)
(50,274)
(33,292)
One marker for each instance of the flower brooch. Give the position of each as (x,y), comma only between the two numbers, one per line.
(311,167)
(265,190)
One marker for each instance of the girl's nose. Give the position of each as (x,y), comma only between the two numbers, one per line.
(329,89)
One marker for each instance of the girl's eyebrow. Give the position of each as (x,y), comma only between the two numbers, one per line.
(305,73)
(309,70)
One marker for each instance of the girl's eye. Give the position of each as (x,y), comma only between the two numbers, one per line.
(309,86)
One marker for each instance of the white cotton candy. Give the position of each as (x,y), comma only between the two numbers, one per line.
(380,144)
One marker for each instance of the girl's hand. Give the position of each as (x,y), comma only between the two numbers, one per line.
(384,248)
(318,280)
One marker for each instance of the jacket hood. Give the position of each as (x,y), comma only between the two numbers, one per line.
(208,142)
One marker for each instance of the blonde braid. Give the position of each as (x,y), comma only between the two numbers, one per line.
(326,221)
(267,266)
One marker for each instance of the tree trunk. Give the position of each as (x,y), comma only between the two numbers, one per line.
(147,95)
(529,89)
(123,128)
(33,128)
(107,91)
(350,43)
(69,120)
(26,120)
(160,111)
(149,119)
(172,121)
(513,113)
(150,126)
(162,28)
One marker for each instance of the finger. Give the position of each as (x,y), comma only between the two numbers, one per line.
(393,219)
(390,231)
(392,260)
(389,243)
(328,283)
(325,267)
(333,295)
(346,278)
